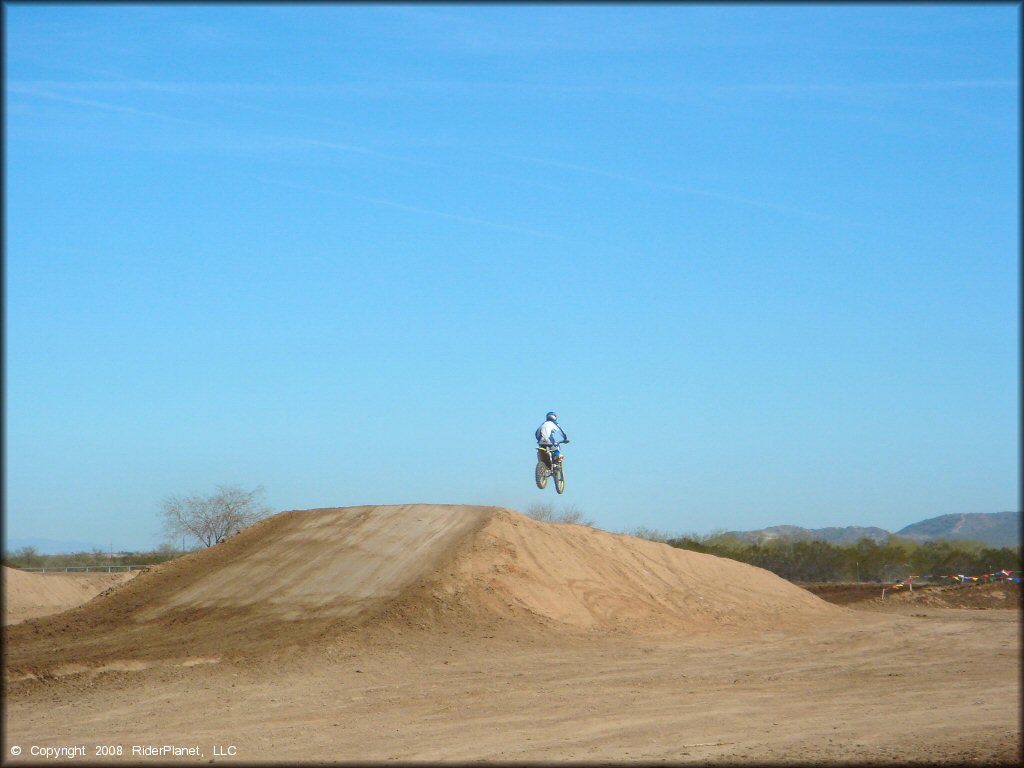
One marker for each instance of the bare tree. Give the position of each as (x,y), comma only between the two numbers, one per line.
(545,513)
(213,518)
(26,557)
(651,534)
(573,515)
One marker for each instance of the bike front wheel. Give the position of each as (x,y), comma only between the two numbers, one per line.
(559,474)
(540,474)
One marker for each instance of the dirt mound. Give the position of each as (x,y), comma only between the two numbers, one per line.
(32,595)
(978,596)
(844,592)
(576,577)
(287,581)
(306,576)
(861,595)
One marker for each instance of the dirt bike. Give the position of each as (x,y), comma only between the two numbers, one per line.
(547,467)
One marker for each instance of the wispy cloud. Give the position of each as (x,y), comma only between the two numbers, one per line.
(393,204)
(293,142)
(42,93)
(278,141)
(143,86)
(728,197)
(488,31)
(282,142)
(243,141)
(195,88)
(926,85)
(371,88)
(603,88)
(364,151)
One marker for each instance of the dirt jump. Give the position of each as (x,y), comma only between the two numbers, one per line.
(30,595)
(458,633)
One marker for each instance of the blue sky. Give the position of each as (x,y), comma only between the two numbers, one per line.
(762,259)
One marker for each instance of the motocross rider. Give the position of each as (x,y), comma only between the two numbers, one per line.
(548,434)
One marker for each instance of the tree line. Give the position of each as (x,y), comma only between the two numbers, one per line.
(30,557)
(203,520)
(207,520)
(810,560)
(865,560)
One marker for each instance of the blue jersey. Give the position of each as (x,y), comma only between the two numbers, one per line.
(549,433)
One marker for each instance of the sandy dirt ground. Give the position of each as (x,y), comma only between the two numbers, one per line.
(486,636)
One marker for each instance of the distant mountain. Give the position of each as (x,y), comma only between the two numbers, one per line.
(848,535)
(997,529)
(851,534)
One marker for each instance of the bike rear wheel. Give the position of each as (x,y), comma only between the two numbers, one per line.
(541,474)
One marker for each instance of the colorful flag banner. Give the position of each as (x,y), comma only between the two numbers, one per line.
(959,578)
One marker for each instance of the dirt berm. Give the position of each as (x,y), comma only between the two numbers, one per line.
(31,595)
(303,577)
